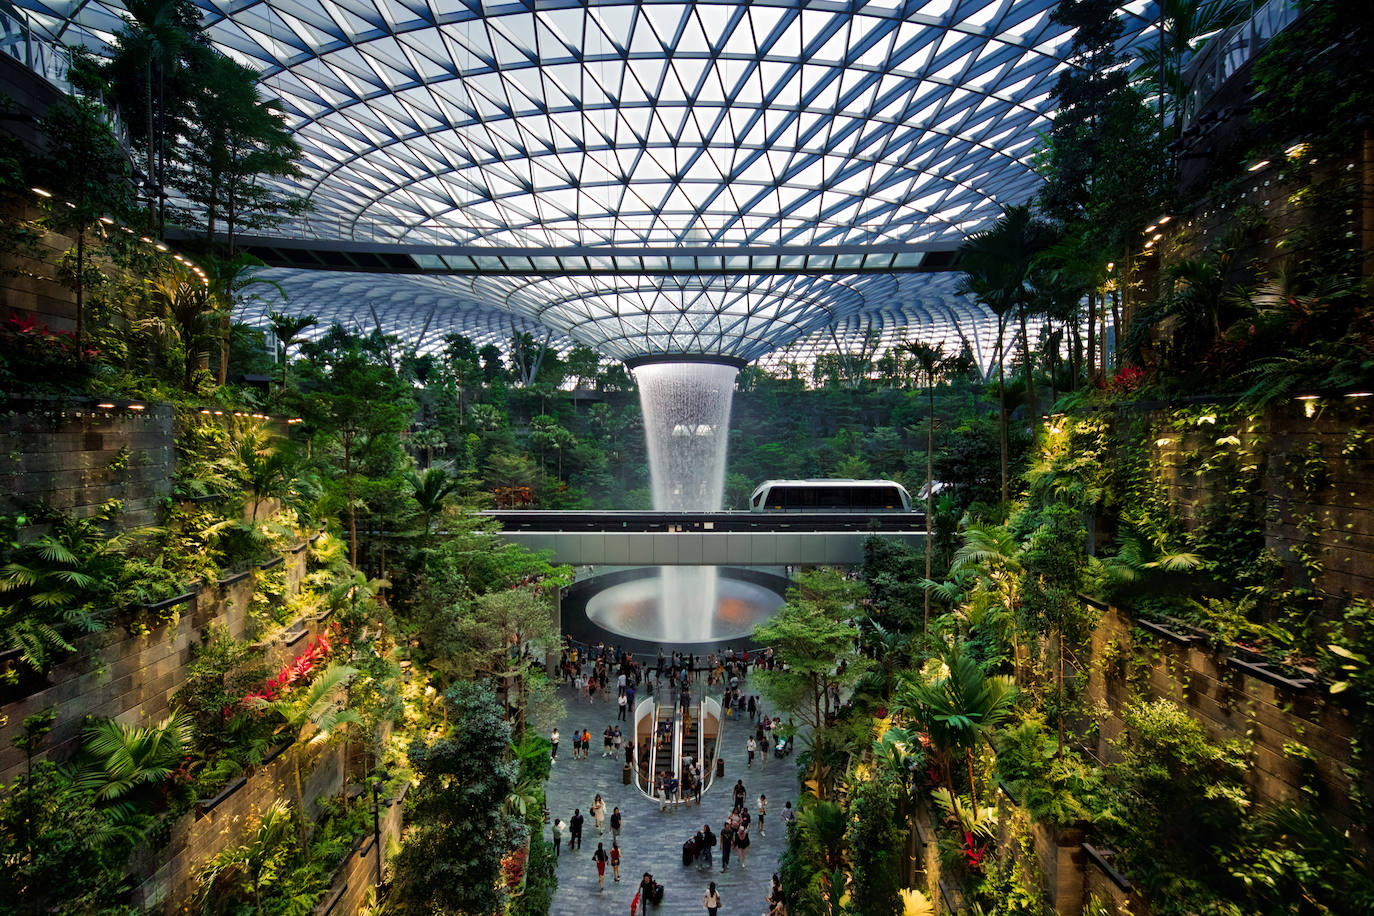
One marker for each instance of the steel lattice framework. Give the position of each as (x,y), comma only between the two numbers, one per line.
(680,126)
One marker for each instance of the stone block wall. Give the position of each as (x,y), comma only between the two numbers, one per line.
(75,456)
(28,281)
(357,874)
(1231,704)
(131,678)
(1315,483)
(199,836)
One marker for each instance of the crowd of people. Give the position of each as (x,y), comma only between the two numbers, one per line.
(610,674)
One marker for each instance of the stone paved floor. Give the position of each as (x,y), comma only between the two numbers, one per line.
(652,841)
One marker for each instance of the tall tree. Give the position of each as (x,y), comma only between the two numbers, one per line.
(997,264)
(459,828)
(932,362)
(286,328)
(147,77)
(815,635)
(84,167)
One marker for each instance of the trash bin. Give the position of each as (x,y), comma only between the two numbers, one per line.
(625,775)
(720,767)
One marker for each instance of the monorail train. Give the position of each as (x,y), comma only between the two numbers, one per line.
(830,496)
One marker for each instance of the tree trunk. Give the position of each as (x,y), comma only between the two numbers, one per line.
(1060,672)
(1092,332)
(148,102)
(1032,400)
(1116,326)
(1002,404)
(1367,202)
(352,511)
(930,487)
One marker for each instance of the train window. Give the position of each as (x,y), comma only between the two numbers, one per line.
(758,500)
(834,497)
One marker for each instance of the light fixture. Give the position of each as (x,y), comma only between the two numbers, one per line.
(1111,265)
(1360,394)
(106,405)
(1152,227)
(40,192)
(1295,151)
(1164,219)
(107,221)
(162,247)
(1306,397)
(135,406)
(1258,165)
(1157,236)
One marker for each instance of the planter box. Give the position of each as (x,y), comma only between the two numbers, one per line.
(1263,672)
(234,577)
(301,546)
(199,500)
(277,751)
(1102,859)
(170,602)
(272,563)
(1159,629)
(206,805)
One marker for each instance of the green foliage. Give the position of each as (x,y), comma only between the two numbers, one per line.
(1174,794)
(65,851)
(459,832)
(874,843)
(123,758)
(814,631)
(1054,787)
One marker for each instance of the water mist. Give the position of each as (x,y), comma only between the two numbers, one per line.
(686,407)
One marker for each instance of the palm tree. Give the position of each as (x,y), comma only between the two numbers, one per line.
(317,706)
(267,470)
(257,862)
(932,362)
(431,492)
(997,264)
(958,711)
(124,757)
(287,328)
(820,829)
(188,303)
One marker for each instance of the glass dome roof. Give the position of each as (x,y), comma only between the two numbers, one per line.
(550,124)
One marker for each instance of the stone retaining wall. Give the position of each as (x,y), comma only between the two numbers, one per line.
(1315,483)
(75,456)
(126,677)
(201,835)
(357,874)
(1230,703)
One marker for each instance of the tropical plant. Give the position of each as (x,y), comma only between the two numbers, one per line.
(320,707)
(933,363)
(997,265)
(121,758)
(252,867)
(431,492)
(958,711)
(287,328)
(266,468)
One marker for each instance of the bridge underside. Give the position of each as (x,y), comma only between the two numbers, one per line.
(719,548)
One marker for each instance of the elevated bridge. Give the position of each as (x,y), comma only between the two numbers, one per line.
(706,538)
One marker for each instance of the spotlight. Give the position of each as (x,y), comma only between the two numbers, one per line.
(40,192)
(1258,165)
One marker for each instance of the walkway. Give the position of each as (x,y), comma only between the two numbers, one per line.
(652,841)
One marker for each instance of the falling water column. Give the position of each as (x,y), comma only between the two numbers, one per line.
(686,407)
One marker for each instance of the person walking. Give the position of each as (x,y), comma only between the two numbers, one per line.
(708,843)
(788,815)
(586,744)
(598,810)
(615,825)
(623,703)
(711,900)
(577,743)
(753,707)
(727,843)
(557,837)
(742,844)
(615,860)
(553,740)
(752,747)
(763,809)
(600,858)
(575,830)
(646,891)
(607,739)
(740,794)
(617,741)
